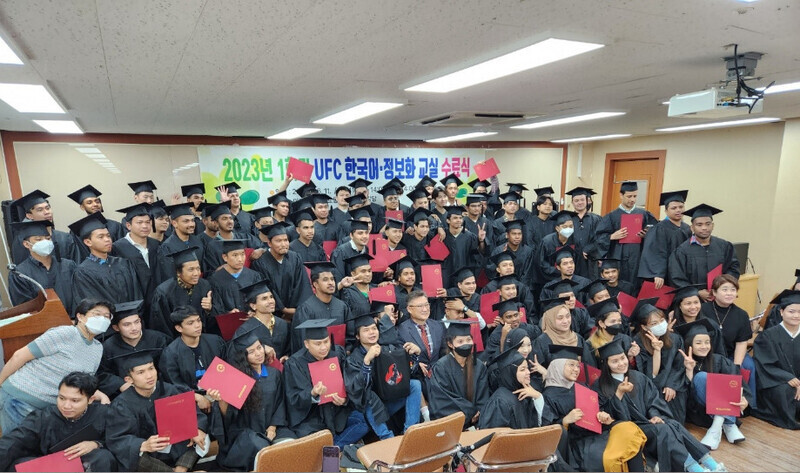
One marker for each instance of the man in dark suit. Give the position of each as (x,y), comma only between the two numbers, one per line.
(427,334)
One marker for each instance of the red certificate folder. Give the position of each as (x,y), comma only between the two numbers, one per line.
(487,301)
(392,256)
(229,323)
(53,462)
(486,169)
(338,332)
(300,170)
(633,222)
(233,385)
(475,332)
(649,290)
(329,372)
(176,417)
(328,246)
(437,249)
(431,278)
(586,400)
(626,303)
(373,238)
(712,275)
(721,391)
(378,263)
(276,363)
(395,214)
(594,374)
(383,294)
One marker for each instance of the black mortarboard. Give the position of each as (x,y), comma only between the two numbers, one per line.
(425,182)
(516,224)
(628,186)
(25,230)
(503,256)
(462,273)
(787,297)
(126,309)
(459,328)
(540,191)
(565,251)
(563,216)
(85,226)
(516,187)
(359,183)
(507,279)
(262,212)
(403,263)
(417,193)
(394,223)
(702,210)
(700,326)
(131,359)
(591,289)
(548,304)
(220,209)
(455,210)
(142,186)
(356,199)
(587,191)
(319,267)
(243,340)
(30,200)
(356,261)
(315,329)
(232,245)
(179,210)
(562,286)
(610,349)
(277,198)
(192,189)
(475,183)
(84,193)
(797,275)
(419,214)
(364,320)
(683,292)
(252,291)
(397,183)
(232,187)
(302,203)
(451,179)
(184,256)
(673,196)
(609,263)
(602,308)
(361,212)
(509,356)
(306,189)
(643,309)
(565,352)
(510,196)
(138,210)
(359,225)
(301,215)
(509,305)
(476,198)
(158,209)
(320,198)
(277,228)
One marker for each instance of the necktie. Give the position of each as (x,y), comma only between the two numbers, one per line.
(424,334)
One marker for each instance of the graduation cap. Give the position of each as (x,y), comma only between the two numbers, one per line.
(356,199)
(130,360)
(358,225)
(301,215)
(262,212)
(476,198)
(361,212)
(306,189)
(598,310)
(702,210)
(459,328)
(417,193)
(232,187)
(85,226)
(701,326)
(126,309)
(184,256)
(610,349)
(31,228)
(504,255)
(475,183)
(451,179)
(673,196)
(30,200)
(510,196)
(516,187)
(277,198)
(242,341)
(277,228)
(587,191)
(565,352)
(357,261)
(403,263)
(609,263)
(359,183)
(84,193)
(315,329)
(394,223)
(683,292)
(320,198)
(565,251)
(142,186)
(158,209)
(254,290)
(563,216)
(364,320)
(509,305)
(786,298)
(628,186)
(540,191)
(509,356)
(397,183)
(644,308)
(232,245)
(426,181)
(516,224)
(319,267)
(507,279)
(455,210)
(179,210)
(797,275)
(595,287)
(302,203)
(562,286)
(462,273)
(192,189)
(418,215)
(548,304)
(138,210)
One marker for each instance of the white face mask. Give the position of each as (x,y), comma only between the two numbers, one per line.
(659,329)
(97,325)
(43,247)
(566,232)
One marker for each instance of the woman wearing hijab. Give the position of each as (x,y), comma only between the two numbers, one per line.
(630,395)
(557,330)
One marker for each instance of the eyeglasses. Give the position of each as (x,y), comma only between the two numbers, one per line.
(98,314)
(421,306)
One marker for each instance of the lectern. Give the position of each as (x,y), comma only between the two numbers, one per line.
(46,311)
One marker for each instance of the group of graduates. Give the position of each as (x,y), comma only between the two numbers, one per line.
(152,289)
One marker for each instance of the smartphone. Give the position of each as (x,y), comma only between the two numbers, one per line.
(330,459)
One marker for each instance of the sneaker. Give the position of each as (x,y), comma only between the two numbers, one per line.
(720,467)
(732,433)
(712,438)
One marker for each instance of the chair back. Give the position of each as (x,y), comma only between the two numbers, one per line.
(303,454)
(521,450)
(430,440)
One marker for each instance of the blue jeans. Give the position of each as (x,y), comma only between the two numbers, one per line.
(412,404)
(699,383)
(12,411)
(355,429)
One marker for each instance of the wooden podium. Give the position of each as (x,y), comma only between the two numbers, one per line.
(48,311)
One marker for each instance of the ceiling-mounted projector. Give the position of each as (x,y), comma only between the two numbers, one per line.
(713,103)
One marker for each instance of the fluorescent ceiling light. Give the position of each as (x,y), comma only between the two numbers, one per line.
(776,89)
(107,165)
(465,136)
(29,98)
(101,160)
(95,155)
(293,133)
(7,55)
(592,138)
(355,113)
(539,54)
(88,150)
(702,126)
(59,126)
(565,120)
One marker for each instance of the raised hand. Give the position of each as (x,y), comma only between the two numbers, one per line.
(634,350)
(688,362)
(482,232)
(624,387)
(223,194)
(205,302)
(654,341)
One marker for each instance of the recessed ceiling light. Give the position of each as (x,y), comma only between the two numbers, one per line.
(355,113)
(29,98)
(465,136)
(539,54)
(293,133)
(592,138)
(565,120)
(777,89)
(703,126)
(59,126)
(88,150)
(7,55)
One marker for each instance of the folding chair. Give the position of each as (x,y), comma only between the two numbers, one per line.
(514,450)
(303,454)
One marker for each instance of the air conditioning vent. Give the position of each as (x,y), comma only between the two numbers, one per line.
(472,119)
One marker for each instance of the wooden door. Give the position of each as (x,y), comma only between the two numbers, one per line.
(645,167)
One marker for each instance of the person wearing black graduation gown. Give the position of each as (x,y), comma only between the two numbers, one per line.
(227,281)
(195,195)
(552,245)
(186,287)
(102,276)
(629,395)
(404,272)
(88,198)
(391,202)
(777,357)
(539,222)
(355,291)
(182,220)
(306,243)
(262,418)
(523,254)
(691,262)
(505,273)
(582,321)
(339,213)
(585,224)
(474,221)
(131,430)
(282,206)
(356,245)
(564,267)
(35,207)
(41,266)
(609,270)
(463,245)
(415,242)
(325,228)
(138,248)
(508,319)
(459,382)
(66,426)
(610,231)
(242,221)
(212,257)
(272,330)
(664,238)
(608,323)
(321,305)
(557,330)
(306,414)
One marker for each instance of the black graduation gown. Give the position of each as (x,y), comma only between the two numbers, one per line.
(145,271)
(504,409)
(670,375)
(337,215)
(243,222)
(113,281)
(696,412)
(289,280)
(627,253)
(661,242)
(168,296)
(306,416)
(622,286)
(690,263)
(777,358)
(357,302)
(278,339)
(359,386)
(114,346)
(173,244)
(312,252)
(541,348)
(325,232)
(547,260)
(58,278)
(448,393)
(116,229)
(212,256)
(64,247)
(416,248)
(523,263)
(462,254)
(46,428)
(313,308)
(339,255)
(226,290)
(133,420)
(669,443)
(585,236)
(523,294)
(492,347)
(245,431)
(537,229)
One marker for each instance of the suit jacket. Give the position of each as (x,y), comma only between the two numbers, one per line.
(409,333)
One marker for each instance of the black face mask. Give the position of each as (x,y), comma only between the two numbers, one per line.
(614,329)
(464,350)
